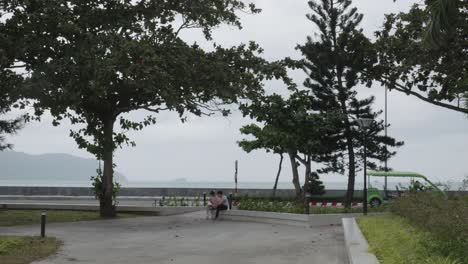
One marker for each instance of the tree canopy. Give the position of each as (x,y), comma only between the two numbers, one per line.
(92,61)
(433,73)
(10,80)
(290,126)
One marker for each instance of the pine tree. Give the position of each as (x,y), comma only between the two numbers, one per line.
(336,61)
(313,184)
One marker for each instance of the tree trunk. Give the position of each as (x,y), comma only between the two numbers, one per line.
(351,166)
(343,97)
(308,167)
(107,208)
(297,185)
(278,174)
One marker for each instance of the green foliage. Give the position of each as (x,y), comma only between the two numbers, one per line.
(433,74)
(290,126)
(443,14)
(9,86)
(395,240)
(290,205)
(7,244)
(336,61)
(445,219)
(94,62)
(313,185)
(271,206)
(96,182)
(102,59)
(180,201)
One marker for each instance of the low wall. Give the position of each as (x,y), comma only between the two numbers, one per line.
(141,192)
(153,192)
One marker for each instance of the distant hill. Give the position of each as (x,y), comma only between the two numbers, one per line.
(48,167)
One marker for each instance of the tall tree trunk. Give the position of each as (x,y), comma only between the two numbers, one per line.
(107,208)
(308,170)
(351,170)
(351,157)
(297,185)
(277,175)
(343,97)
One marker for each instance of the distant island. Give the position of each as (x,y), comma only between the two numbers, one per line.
(19,166)
(181,180)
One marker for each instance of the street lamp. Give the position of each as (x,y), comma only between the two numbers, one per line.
(364,124)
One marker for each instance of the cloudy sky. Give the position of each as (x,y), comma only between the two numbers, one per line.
(204,149)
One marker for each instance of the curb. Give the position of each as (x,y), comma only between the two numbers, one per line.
(356,245)
(152,211)
(312,220)
(265,217)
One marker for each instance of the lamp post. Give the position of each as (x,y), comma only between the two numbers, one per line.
(364,124)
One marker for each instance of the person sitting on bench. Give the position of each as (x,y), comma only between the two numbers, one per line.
(224,203)
(213,202)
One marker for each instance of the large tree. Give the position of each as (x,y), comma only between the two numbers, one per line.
(336,61)
(290,126)
(94,61)
(434,72)
(267,138)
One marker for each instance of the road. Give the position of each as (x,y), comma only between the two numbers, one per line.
(190,239)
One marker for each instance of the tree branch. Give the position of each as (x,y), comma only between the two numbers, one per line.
(17,66)
(303,161)
(155,110)
(402,89)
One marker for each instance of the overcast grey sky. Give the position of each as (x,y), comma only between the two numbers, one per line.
(204,149)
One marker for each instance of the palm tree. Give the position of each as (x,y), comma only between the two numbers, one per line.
(442,14)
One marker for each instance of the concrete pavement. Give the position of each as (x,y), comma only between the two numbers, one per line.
(190,239)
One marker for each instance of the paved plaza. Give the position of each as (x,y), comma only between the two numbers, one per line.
(190,239)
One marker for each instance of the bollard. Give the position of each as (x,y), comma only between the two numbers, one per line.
(204,198)
(43,222)
(230,201)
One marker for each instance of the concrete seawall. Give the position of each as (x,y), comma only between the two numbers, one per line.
(150,192)
(153,192)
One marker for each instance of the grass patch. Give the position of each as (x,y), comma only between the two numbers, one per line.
(29,217)
(446,219)
(395,240)
(22,250)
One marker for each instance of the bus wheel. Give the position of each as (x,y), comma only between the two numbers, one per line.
(374,202)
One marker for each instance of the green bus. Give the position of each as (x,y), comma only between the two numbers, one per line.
(374,195)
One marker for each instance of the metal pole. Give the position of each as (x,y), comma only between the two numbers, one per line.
(204,198)
(364,203)
(230,201)
(386,156)
(235,176)
(43,222)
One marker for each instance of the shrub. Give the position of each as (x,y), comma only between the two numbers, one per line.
(255,204)
(446,219)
